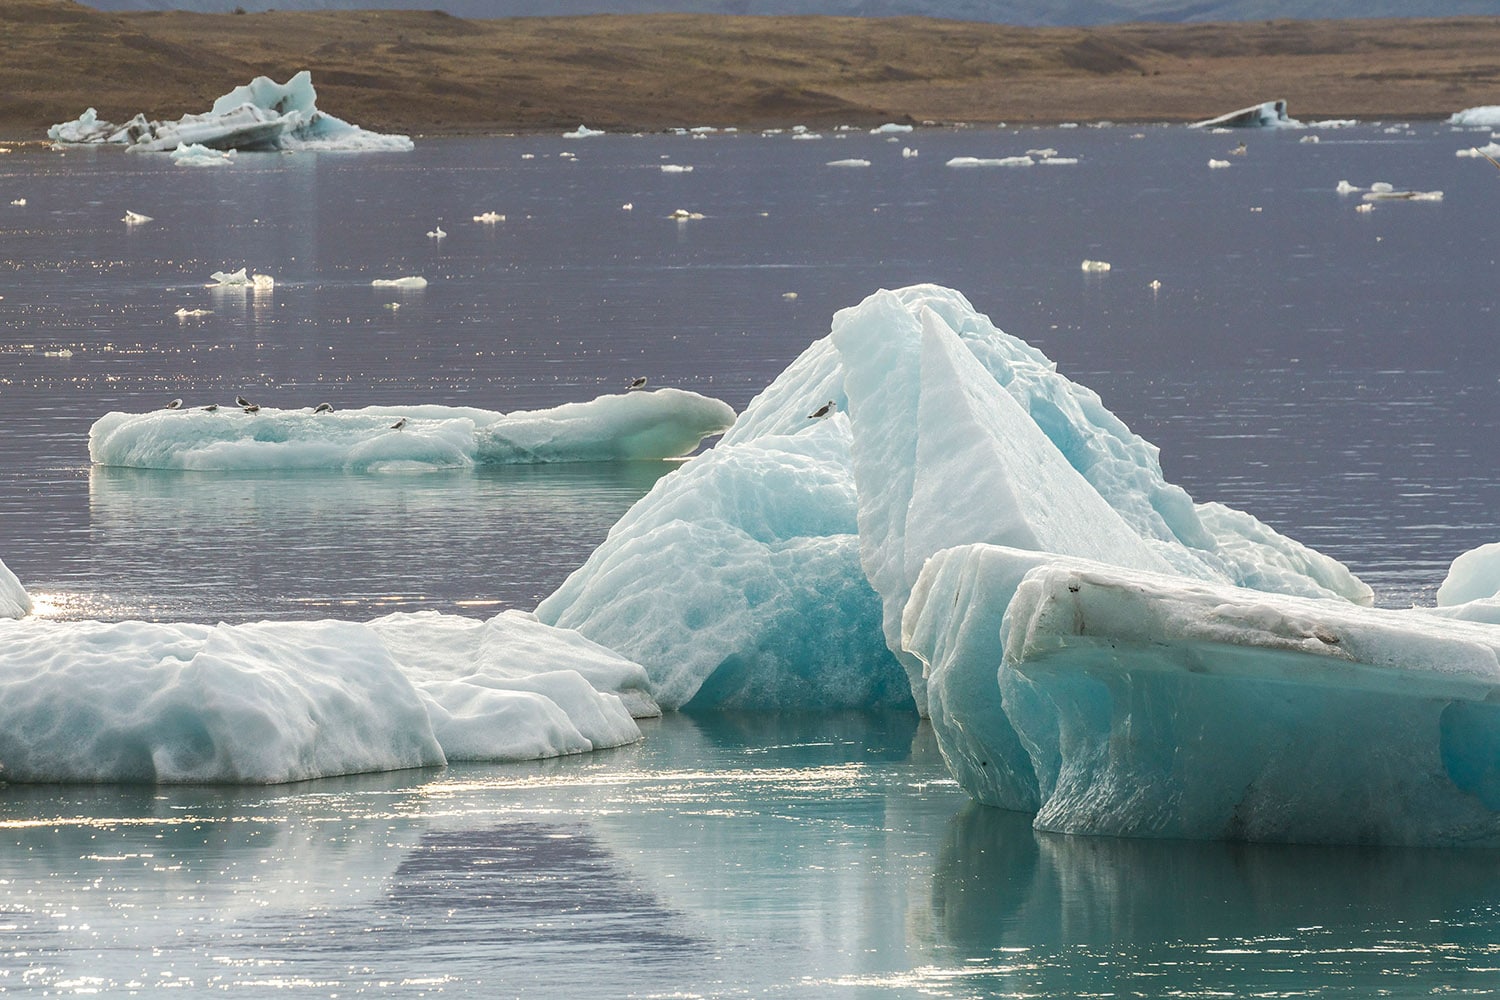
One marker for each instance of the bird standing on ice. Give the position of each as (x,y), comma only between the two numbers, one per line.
(323,408)
(174,404)
(821,411)
(398,424)
(639,382)
(241,401)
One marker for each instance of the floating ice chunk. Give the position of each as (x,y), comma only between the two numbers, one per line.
(676,168)
(261,115)
(14,601)
(891,128)
(135,218)
(273,702)
(1489,151)
(1155,285)
(1346,188)
(779,614)
(1474,575)
(489,217)
(1058,161)
(582,132)
(851,162)
(239,279)
(1309,139)
(193,155)
(1385,192)
(409,283)
(1095,266)
(436,233)
(639,426)
(1004,161)
(1271,114)
(1119,702)
(1218,164)
(18,202)
(185,313)
(908,153)
(1485,116)
(682,214)
(807,135)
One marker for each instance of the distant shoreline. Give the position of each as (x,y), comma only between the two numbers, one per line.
(425,73)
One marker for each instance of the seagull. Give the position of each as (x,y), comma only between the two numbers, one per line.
(323,408)
(821,411)
(1239,150)
(398,424)
(212,407)
(639,382)
(241,401)
(251,408)
(174,404)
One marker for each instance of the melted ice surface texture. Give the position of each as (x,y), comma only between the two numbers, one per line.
(270,702)
(666,423)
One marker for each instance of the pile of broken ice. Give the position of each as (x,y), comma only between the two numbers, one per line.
(635,426)
(1091,645)
(261,115)
(919,513)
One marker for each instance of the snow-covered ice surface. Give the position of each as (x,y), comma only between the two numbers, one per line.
(659,424)
(14,601)
(946,430)
(1128,703)
(270,702)
(261,115)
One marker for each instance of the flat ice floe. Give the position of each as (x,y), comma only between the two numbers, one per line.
(1129,703)
(270,702)
(261,115)
(944,430)
(638,426)
(14,601)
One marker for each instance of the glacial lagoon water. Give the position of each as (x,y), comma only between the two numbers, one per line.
(1333,372)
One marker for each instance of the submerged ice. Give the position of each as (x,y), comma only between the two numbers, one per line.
(261,115)
(659,424)
(270,702)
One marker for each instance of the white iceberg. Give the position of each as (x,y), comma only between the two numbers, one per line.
(409,283)
(135,218)
(1095,266)
(1474,576)
(262,115)
(676,168)
(891,128)
(583,132)
(271,702)
(194,155)
(636,426)
(955,432)
(242,279)
(968,162)
(1129,703)
(1485,116)
(851,162)
(1270,114)
(488,218)
(14,601)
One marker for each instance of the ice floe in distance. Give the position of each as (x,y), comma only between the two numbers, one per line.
(682,215)
(135,218)
(14,601)
(261,115)
(582,132)
(1270,114)
(637,426)
(1484,116)
(1123,702)
(850,162)
(1489,151)
(489,218)
(242,279)
(408,283)
(1003,161)
(270,702)
(1218,164)
(1094,266)
(676,168)
(195,155)
(891,128)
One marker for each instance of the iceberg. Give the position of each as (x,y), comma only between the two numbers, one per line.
(1271,114)
(1473,576)
(1485,116)
(271,702)
(14,601)
(1124,702)
(636,426)
(194,155)
(945,430)
(261,115)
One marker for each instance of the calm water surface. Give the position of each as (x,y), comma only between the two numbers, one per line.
(1333,372)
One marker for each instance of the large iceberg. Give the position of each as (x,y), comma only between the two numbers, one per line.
(661,424)
(1116,701)
(14,601)
(261,115)
(1270,114)
(269,702)
(1484,116)
(945,430)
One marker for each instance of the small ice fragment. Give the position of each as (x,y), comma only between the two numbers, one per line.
(195,155)
(890,128)
(489,217)
(1346,188)
(230,279)
(1047,151)
(1155,285)
(1364,207)
(629,206)
(1308,138)
(683,214)
(186,313)
(1095,266)
(852,162)
(1218,164)
(908,153)
(1382,187)
(407,283)
(393,306)
(582,132)
(437,233)
(807,135)
(262,282)
(1058,161)
(789,296)
(1004,161)
(528,156)
(19,202)
(134,218)
(676,168)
